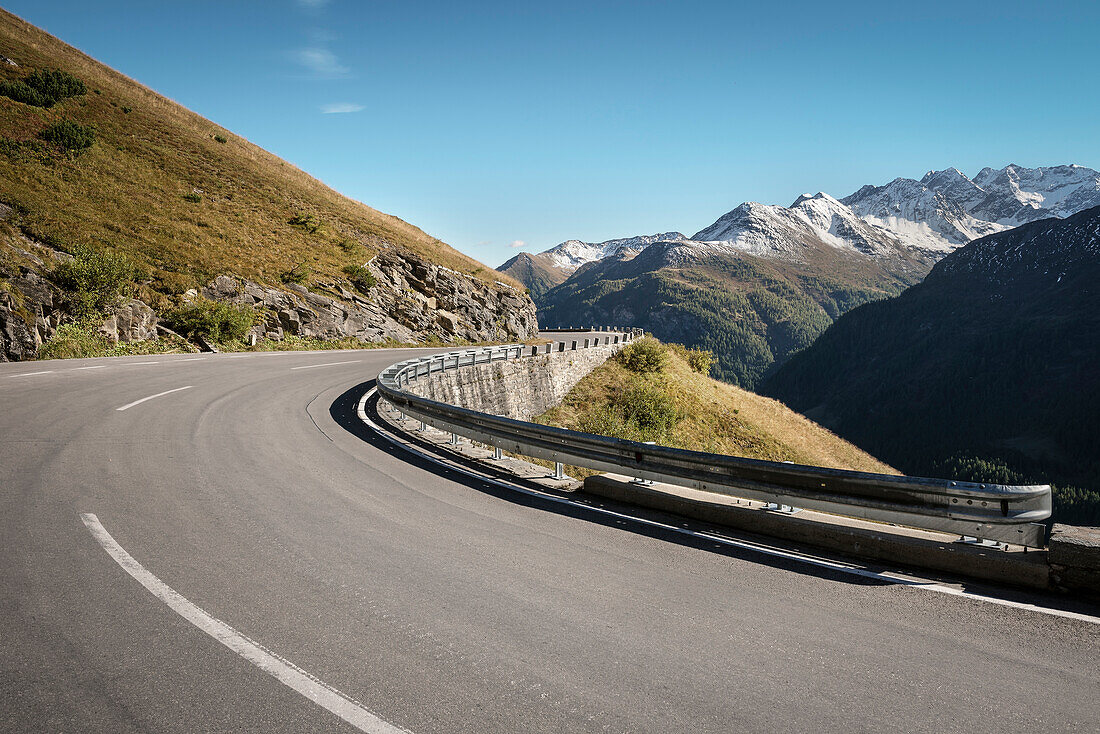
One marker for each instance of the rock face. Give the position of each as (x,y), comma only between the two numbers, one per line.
(412,301)
(28,316)
(131,321)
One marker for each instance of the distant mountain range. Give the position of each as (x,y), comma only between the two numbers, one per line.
(763,281)
(992,361)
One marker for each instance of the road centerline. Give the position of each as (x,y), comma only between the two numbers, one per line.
(159,394)
(281,669)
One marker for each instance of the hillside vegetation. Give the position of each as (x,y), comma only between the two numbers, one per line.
(656,392)
(751,312)
(90,157)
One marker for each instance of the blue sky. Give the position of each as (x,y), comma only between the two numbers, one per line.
(491,123)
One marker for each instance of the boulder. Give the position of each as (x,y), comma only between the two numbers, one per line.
(132,321)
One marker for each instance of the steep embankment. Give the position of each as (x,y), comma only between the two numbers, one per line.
(988,368)
(97,159)
(656,392)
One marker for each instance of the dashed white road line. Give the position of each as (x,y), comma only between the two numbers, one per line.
(190,359)
(28,374)
(281,669)
(91,367)
(159,394)
(747,545)
(134,364)
(326,364)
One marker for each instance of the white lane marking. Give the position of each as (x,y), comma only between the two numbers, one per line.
(326,364)
(93,367)
(28,374)
(744,544)
(159,394)
(190,359)
(132,364)
(274,665)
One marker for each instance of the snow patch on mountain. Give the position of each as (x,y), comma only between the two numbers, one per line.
(571,254)
(769,230)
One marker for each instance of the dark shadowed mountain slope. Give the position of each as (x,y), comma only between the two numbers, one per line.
(996,354)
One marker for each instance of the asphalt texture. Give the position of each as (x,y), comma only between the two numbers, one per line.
(439,604)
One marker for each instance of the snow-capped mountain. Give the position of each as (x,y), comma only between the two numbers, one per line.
(915,220)
(571,254)
(946,209)
(766,230)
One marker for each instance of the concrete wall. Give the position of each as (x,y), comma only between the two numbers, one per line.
(517,388)
(1075,559)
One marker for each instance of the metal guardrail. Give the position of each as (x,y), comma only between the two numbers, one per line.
(1003,513)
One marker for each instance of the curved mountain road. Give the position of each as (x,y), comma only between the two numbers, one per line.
(244,484)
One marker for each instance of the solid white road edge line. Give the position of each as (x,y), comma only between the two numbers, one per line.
(159,394)
(277,667)
(744,544)
(326,364)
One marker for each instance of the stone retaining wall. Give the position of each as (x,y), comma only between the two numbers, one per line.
(516,388)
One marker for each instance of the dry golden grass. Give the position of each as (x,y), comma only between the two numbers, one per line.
(715,417)
(127,192)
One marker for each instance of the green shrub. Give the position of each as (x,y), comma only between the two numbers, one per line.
(221,139)
(650,408)
(308,222)
(349,246)
(700,360)
(69,136)
(43,88)
(647,355)
(94,279)
(298,274)
(211,320)
(360,277)
(193,197)
(126,110)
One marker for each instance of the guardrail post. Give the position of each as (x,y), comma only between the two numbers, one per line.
(638,480)
(559,470)
(561,346)
(498,452)
(548,346)
(586,343)
(574,347)
(454,439)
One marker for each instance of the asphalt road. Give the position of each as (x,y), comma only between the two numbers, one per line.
(436,604)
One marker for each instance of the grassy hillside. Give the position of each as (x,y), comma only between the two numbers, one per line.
(657,392)
(184,198)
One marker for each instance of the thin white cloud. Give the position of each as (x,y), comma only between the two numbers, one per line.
(322,62)
(516,244)
(340,108)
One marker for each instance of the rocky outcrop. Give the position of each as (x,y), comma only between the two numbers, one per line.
(28,315)
(133,320)
(412,301)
